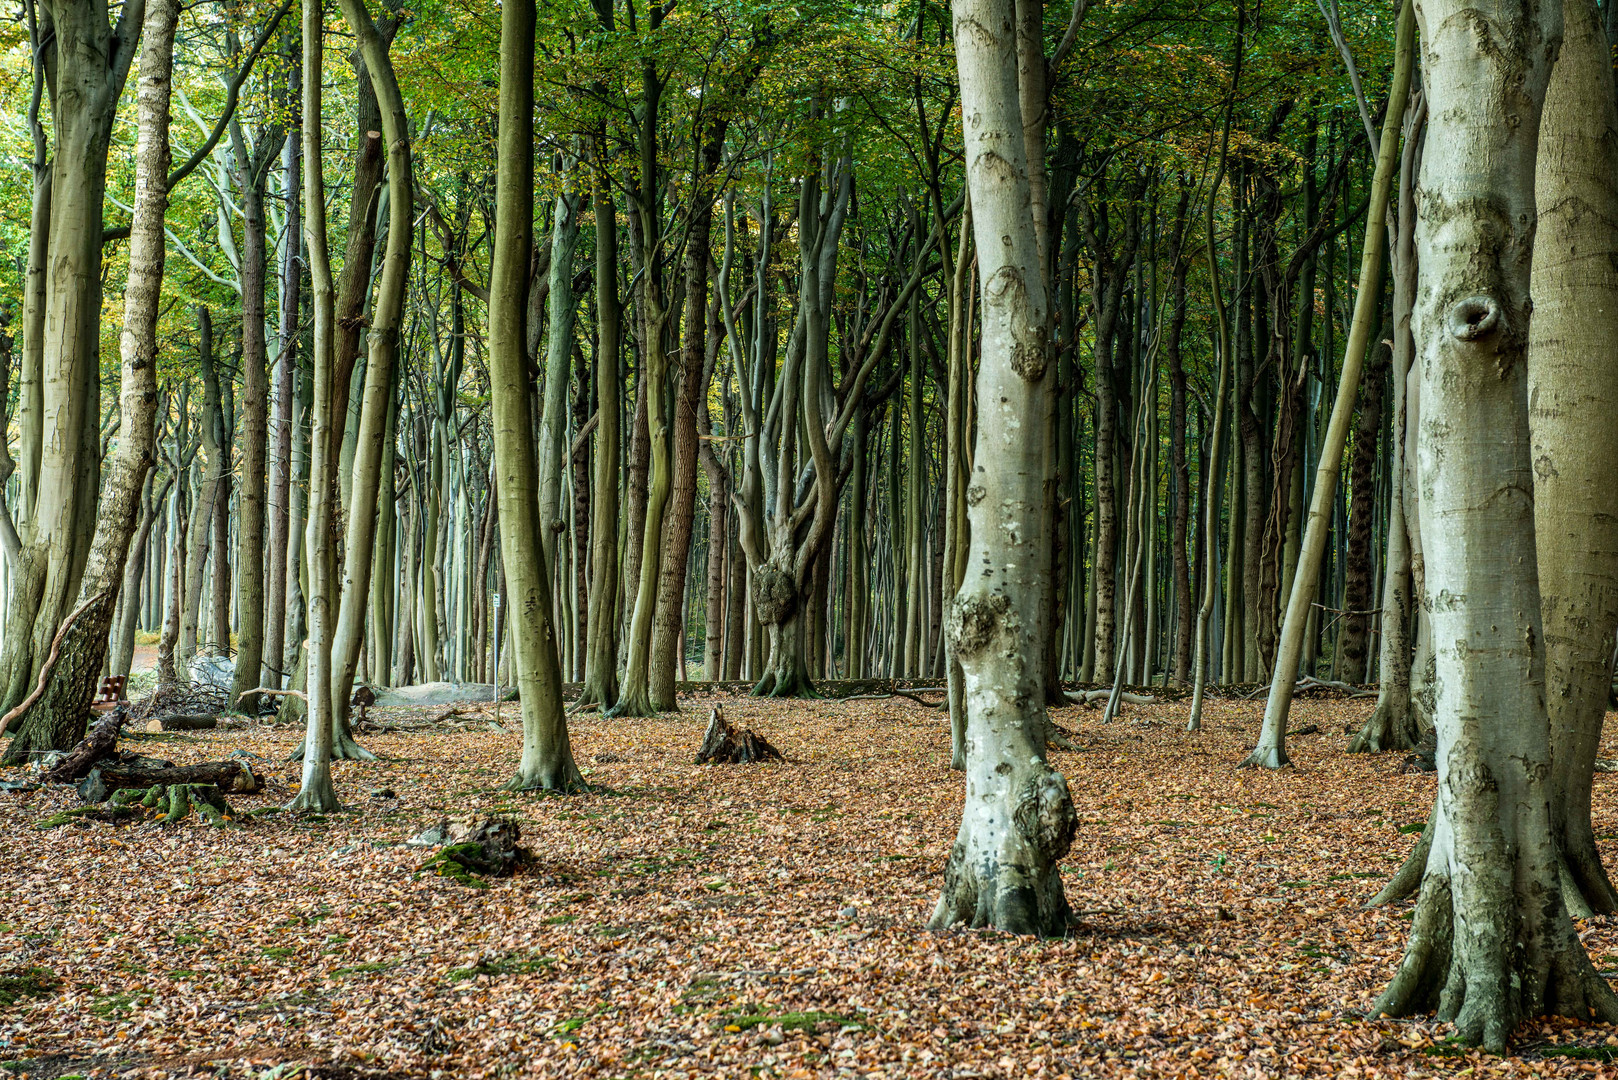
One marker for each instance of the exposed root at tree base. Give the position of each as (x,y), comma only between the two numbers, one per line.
(1407,879)
(1486,992)
(791,684)
(1266,757)
(1382,731)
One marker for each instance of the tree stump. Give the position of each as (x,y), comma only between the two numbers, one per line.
(727,745)
(473,844)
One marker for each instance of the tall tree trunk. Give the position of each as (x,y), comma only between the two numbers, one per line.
(56,719)
(214,444)
(547,756)
(1271,749)
(316,792)
(1018,821)
(601,652)
(689,400)
(282,393)
(1572,395)
(382,340)
(252,173)
(1393,724)
(1490,943)
(92,60)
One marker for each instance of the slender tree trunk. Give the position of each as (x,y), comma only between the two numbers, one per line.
(286,365)
(316,792)
(252,172)
(1393,724)
(601,653)
(1271,749)
(547,757)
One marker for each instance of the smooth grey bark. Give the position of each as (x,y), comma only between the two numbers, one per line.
(1490,942)
(316,792)
(1572,397)
(1018,820)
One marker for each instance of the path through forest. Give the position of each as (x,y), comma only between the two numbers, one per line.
(696,921)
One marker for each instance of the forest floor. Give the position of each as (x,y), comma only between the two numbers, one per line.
(740,921)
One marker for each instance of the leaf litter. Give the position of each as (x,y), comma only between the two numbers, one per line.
(756,920)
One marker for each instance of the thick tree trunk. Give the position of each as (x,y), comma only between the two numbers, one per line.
(1018,821)
(56,720)
(91,64)
(1573,395)
(1491,943)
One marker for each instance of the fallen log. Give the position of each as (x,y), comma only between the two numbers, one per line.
(99,743)
(727,745)
(1088,698)
(113,776)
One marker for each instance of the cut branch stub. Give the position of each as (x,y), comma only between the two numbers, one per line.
(723,744)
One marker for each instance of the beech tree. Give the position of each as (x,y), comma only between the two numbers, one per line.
(1019,819)
(1490,942)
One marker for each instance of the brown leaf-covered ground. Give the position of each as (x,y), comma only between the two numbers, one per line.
(689,921)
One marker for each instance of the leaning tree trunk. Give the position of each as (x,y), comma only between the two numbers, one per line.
(1018,820)
(383,344)
(547,756)
(1573,396)
(1271,751)
(56,719)
(1491,943)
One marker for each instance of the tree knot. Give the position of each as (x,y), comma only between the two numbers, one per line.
(974,621)
(1044,813)
(775,597)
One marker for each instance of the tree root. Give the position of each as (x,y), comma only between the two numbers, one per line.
(1484,987)
(1407,879)
(1266,757)
(787,684)
(1382,730)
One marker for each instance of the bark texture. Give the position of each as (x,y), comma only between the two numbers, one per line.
(1018,820)
(1491,943)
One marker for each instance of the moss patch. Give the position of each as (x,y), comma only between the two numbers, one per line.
(30,982)
(807,1022)
(515,964)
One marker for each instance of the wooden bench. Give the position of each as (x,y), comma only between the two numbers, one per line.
(111,694)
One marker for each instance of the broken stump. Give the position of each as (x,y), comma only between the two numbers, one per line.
(727,745)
